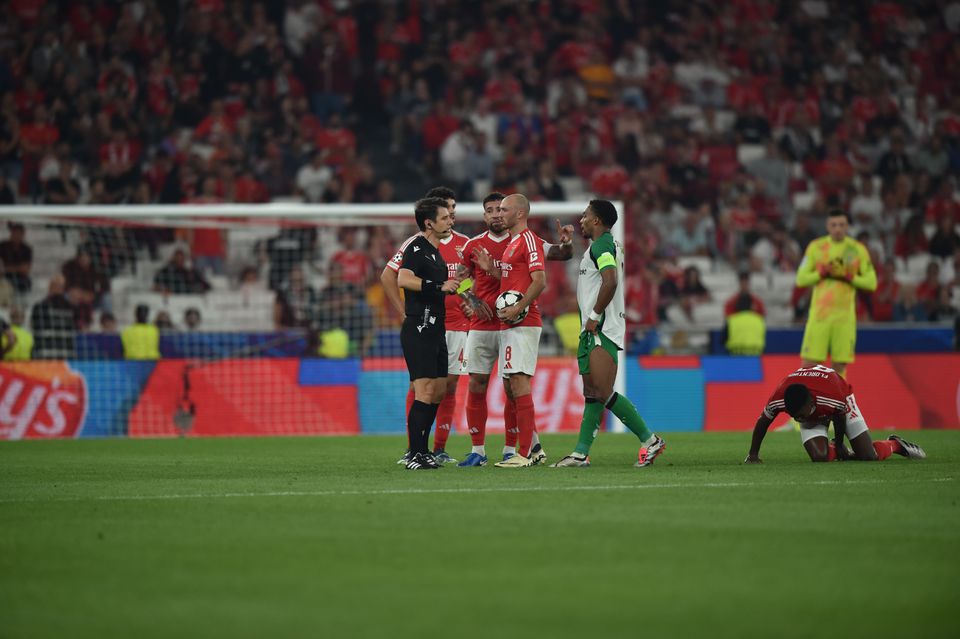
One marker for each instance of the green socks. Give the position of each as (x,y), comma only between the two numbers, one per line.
(592,412)
(620,406)
(627,413)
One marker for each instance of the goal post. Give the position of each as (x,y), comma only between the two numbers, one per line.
(270,341)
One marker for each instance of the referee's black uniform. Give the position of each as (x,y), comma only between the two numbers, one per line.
(423,335)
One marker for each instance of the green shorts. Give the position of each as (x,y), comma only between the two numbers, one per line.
(839,339)
(588,342)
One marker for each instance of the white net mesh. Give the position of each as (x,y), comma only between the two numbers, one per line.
(270,320)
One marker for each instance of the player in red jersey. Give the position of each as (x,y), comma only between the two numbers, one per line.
(815,396)
(483,255)
(521,269)
(457,321)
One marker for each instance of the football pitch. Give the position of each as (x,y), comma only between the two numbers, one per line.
(327,537)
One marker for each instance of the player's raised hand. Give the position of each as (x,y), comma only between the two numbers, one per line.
(483,259)
(565,233)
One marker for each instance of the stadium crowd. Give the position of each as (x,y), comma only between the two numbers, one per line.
(727,129)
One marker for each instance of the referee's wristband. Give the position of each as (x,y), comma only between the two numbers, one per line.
(595,316)
(429,286)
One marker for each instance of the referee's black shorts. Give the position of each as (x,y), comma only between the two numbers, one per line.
(425,351)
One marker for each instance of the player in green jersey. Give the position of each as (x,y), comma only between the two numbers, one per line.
(600,297)
(836,265)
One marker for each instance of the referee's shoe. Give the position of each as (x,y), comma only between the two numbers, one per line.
(422,461)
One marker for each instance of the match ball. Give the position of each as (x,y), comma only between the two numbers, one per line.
(508,299)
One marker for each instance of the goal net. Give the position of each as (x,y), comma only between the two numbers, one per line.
(271,321)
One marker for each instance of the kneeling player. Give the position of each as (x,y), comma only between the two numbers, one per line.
(814,397)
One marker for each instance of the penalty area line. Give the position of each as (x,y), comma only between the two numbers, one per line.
(463,490)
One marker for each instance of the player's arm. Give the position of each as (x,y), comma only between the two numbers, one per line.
(408,279)
(808,273)
(608,287)
(839,431)
(759,432)
(391,288)
(538,283)
(564,250)
(865,278)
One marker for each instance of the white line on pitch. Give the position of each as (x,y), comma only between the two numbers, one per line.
(440,491)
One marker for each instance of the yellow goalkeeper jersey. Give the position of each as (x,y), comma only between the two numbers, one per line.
(834,296)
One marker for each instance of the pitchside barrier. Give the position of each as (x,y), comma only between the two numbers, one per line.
(304,396)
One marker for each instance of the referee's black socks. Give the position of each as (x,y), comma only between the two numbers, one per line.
(419,421)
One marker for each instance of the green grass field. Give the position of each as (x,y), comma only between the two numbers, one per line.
(327,537)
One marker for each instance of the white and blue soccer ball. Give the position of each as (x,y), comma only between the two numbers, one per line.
(507,299)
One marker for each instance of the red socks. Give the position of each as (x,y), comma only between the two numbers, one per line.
(510,430)
(444,421)
(477,417)
(885,448)
(526,419)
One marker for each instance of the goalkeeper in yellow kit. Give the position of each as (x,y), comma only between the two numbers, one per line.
(836,266)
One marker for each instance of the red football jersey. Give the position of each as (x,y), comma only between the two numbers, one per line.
(523,255)
(828,389)
(486,286)
(451,250)
(452,253)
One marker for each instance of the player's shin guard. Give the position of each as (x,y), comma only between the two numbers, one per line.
(589,425)
(526,417)
(627,413)
(510,430)
(444,421)
(477,417)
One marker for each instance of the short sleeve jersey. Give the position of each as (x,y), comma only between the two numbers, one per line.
(425,261)
(829,390)
(523,256)
(452,250)
(485,286)
(604,253)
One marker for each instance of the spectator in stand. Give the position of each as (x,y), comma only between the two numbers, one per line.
(120,162)
(912,240)
(108,323)
(752,126)
(932,297)
(945,242)
(690,238)
(313,177)
(867,207)
(437,127)
(54,324)
(164,322)
(296,302)
(350,264)
(895,161)
(88,287)
(7,293)
(882,302)
(7,196)
(141,340)
(192,319)
(65,188)
(756,304)
(692,291)
(943,205)
(17,258)
(329,74)
(177,278)
(549,183)
(610,179)
(774,249)
(341,305)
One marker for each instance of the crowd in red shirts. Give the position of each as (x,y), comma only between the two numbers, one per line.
(728,129)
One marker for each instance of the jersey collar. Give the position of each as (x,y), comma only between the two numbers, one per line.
(495,238)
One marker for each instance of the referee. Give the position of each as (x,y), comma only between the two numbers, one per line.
(423,336)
